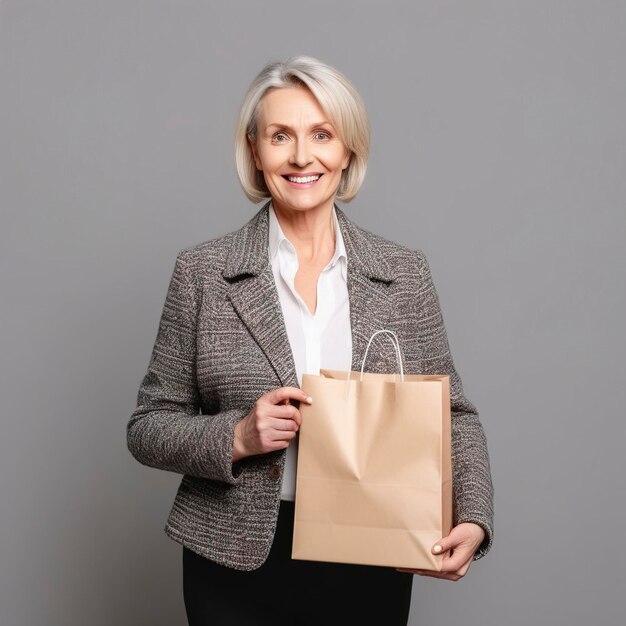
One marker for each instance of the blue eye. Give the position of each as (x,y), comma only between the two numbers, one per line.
(280,137)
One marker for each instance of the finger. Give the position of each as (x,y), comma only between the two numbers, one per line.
(272,435)
(452,576)
(421,572)
(294,414)
(457,560)
(281,411)
(441,575)
(282,424)
(446,543)
(277,396)
(290,414)
(281,435)
(463,569)
(443,545)
(431,573)
(278,445)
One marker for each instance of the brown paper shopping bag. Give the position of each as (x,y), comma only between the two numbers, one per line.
(373,482)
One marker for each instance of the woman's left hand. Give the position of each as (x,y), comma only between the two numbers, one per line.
(458,549)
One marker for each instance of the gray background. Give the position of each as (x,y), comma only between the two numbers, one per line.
(499,148)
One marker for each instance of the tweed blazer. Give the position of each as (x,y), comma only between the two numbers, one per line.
(222,343)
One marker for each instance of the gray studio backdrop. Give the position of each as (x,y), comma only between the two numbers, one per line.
(499,148)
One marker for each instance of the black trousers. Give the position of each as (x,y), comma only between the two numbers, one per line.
(286,592)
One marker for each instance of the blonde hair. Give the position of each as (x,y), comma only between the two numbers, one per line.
(337,97)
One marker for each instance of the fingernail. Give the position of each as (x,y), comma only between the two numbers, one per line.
(309,399)
(437,549)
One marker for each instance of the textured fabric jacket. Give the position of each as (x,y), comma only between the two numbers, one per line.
(222,343)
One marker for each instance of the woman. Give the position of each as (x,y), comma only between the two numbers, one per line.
(297,288)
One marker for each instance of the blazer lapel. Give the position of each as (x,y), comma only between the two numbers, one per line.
(369,280)
(255,298)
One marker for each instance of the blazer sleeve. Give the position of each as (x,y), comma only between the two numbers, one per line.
(167,430)
(471,473)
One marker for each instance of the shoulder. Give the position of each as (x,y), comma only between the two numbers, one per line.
(404,260)
(207,255)
(200,265)
(237,252)
(214,255)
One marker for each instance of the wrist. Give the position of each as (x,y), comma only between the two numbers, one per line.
(239,451)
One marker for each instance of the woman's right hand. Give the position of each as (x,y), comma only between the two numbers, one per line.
(270,425)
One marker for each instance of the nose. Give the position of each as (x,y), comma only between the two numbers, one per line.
(301,153)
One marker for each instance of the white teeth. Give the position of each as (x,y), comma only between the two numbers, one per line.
(303,179)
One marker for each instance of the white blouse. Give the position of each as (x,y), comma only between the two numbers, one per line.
(320,340)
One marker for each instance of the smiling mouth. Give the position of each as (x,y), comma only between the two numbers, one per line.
(303,180)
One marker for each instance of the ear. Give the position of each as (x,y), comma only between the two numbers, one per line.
(255,153)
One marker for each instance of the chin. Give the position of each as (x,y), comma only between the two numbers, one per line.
(303,204)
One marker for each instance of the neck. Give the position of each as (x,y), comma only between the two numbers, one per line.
(311,231)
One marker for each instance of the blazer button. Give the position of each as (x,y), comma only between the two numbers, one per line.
(274,472)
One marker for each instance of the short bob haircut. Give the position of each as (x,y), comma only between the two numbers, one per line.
(338,99)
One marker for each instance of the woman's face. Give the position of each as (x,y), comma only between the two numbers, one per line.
(298,150)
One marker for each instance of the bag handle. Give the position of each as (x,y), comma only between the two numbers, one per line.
(396,345)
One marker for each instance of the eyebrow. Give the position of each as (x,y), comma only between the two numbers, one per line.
(287,127)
